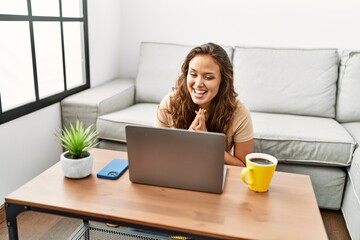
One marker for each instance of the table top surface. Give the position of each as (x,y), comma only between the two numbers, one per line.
(287,211)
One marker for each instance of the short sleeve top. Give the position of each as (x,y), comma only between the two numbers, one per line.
(240,130)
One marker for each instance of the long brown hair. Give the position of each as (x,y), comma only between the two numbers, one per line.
(182,108)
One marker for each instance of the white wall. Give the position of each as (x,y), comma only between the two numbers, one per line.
(28,144)
(104,39)
(294,23)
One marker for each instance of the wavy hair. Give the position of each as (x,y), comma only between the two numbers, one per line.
(220,111)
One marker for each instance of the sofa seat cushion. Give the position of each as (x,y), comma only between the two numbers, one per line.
(302,139)
(287,81)
(112,126)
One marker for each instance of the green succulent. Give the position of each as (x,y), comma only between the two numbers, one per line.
(77,140)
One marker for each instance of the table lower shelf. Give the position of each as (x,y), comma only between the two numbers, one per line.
(87,231)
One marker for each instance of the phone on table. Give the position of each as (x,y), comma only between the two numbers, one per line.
(114,169)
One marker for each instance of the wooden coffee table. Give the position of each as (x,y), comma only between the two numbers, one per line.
(287,211)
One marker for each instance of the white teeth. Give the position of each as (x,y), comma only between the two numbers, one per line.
(199,91)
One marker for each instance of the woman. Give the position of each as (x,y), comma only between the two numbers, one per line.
(205,100)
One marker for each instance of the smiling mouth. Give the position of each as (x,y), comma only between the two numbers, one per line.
(199,92)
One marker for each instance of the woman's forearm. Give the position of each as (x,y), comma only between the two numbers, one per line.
(231,160)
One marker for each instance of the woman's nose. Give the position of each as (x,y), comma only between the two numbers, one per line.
(199,81)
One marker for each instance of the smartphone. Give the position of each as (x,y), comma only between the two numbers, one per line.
(114,169)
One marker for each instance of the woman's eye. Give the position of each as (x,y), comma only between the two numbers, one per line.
(193,74)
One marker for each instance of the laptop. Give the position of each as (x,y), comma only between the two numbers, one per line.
(176,158)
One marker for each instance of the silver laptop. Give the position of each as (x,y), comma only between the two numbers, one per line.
(176,158)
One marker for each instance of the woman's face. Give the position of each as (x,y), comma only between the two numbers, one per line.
(203,80)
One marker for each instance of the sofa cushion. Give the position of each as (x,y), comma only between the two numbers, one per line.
(158,69)
(112,126)
(291,81)
(302,139)
(354,170)
(348,108)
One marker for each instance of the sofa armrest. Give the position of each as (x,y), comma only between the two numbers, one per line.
(87,105)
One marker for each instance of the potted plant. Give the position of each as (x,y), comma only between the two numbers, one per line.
(77,161)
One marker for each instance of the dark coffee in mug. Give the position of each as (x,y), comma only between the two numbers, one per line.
(261,161)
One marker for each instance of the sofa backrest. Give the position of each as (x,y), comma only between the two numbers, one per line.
(287,81)
(348,98)
(158,69)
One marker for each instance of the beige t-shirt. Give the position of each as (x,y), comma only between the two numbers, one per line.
(240,130)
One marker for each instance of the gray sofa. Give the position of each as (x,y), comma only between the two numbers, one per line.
(304,104)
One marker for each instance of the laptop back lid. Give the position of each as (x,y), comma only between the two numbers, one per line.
(176,158)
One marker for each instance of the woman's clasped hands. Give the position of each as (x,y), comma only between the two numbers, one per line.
(199,123)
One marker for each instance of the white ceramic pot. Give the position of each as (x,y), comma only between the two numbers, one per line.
(76,168)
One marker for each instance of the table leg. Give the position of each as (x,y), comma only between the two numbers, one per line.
(12,210)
